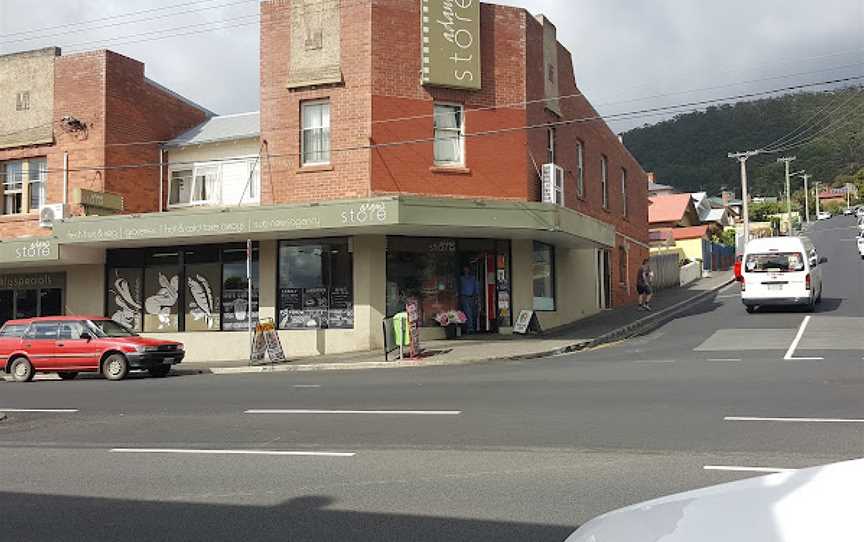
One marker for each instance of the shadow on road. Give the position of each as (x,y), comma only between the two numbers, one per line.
(311,518)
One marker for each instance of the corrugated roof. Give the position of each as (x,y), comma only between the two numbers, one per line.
(716,215)
(670,208)
(657,187)
(221,128)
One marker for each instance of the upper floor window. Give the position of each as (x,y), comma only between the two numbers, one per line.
(38,171)
(604,181)
(315,138)
(623,192)
(580,170)
(226,183)
(13,187)
(22,185)
(550,145)
(449,127)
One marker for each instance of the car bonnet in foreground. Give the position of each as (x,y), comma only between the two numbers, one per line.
(816,504)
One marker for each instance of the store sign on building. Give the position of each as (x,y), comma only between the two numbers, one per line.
(28,251)
(98,200)
(450,49)
(29,281)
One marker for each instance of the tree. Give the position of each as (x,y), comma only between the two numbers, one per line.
(762,212)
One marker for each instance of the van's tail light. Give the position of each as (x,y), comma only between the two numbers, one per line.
(807,281)
(743,283)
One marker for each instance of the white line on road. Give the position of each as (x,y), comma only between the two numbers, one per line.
(228,452)
(799,420)
(653,361)
(736,468)
(399,412)
(51,410)
(794,345)
(307,385)
(724,359)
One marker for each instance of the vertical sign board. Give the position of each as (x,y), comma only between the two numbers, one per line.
(450,48)
(266,342)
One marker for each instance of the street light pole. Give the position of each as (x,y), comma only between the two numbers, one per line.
(742,159)
(787,160)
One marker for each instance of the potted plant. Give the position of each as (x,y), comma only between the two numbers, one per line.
(450,321)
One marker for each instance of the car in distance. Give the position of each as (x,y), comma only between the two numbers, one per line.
(783,271)
(823,215)
(861,245)
(68,345)
(848,211)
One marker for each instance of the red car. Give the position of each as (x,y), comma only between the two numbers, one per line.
(68,345)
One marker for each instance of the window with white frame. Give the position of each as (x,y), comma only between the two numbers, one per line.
(623,192)
(37,174)
(580,170)
(232,182)
(315,137)
(13,187)
(604,181)
(449,128)
(550,145)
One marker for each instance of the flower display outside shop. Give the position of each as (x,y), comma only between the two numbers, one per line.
(448,318)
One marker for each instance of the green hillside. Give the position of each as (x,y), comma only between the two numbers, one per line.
(690,150)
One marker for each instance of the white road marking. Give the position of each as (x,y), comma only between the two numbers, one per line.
(736,468)
(799,420)
(307,385)
(724,359)
(51,410)
(311,411)
(791,352)
(653,361)
(228,452)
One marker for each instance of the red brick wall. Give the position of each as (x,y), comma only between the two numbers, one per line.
(397,93)
(137,110)
(350,111)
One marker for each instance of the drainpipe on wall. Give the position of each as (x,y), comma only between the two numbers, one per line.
(65,178)
(161,177)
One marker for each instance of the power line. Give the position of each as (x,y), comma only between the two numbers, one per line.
(810,123)
(121,23)
(826,130)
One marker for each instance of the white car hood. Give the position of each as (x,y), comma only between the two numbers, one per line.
(809,505)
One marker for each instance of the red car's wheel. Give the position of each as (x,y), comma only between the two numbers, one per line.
(22,370)
(115,367)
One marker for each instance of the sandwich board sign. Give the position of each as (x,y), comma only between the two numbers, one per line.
(527,321)
(266,343)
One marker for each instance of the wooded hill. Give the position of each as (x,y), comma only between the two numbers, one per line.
(690,151)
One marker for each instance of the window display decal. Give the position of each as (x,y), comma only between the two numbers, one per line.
(164,300)
(128,302)
(202,304)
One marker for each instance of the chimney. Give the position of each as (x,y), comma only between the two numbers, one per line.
(651,177)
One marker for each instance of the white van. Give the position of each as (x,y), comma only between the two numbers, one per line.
(781,271)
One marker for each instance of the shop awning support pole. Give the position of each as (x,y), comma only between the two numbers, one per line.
(161,177)
(249,293)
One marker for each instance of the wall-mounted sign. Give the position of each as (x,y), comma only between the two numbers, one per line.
(101,200)
(450,48)
(31,281)
(36,250)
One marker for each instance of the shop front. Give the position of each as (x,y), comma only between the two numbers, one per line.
(25,295)
(327,275)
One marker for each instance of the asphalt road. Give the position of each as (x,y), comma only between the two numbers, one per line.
(523,450)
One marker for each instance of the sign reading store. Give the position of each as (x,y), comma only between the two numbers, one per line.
(451,43)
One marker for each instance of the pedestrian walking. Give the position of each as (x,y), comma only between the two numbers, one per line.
(643,285)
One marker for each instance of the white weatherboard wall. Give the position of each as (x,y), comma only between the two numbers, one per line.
(220,153)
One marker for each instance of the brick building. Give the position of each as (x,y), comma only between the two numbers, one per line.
(409,149)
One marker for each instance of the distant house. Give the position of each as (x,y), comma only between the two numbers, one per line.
(689,240)
(721,217)
(672,211)
(837,195)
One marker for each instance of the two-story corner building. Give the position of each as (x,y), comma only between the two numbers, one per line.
(70,127)
(428,149)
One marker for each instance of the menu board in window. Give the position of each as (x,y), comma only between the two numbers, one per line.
(341,313)
(291,314)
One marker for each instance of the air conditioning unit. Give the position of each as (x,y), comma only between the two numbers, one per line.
(553,184)
(49,214)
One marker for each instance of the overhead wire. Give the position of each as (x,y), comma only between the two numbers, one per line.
(811,123)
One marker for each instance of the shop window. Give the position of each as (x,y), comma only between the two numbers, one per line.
(198,288)
(449,133)
(26,303)
(315,137)
(544,277)
(316,285)
(50,302)
(13,187)
(604,181)
(580,170)
(7,309)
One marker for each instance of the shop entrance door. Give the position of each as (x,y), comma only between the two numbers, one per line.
(482,267)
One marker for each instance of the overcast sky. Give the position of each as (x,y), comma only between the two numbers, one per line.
(626,52)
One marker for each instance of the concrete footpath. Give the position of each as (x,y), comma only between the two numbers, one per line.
(605,327)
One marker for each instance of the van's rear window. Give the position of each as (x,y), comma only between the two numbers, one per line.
(13,330)
(774,262)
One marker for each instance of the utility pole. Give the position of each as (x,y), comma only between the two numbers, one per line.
(805,176)
(817,201)
(742,159)
(787,160)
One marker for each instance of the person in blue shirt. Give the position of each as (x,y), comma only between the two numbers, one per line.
(469,292)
